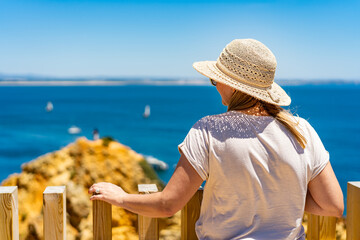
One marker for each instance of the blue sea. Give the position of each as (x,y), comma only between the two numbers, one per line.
(28,131)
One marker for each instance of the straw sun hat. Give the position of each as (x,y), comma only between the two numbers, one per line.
(249,66)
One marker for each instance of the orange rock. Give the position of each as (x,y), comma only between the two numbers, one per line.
(77,166)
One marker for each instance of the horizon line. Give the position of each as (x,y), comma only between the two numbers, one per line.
(44,78)
(149,82)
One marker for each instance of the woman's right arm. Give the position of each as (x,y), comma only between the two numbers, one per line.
(324,195)
(182,186)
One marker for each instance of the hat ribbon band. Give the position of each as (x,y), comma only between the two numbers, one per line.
(228,73)
(268,89)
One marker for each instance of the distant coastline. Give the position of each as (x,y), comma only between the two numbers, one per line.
(6,80)
(101,83)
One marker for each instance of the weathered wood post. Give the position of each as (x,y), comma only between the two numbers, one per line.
(102,217)
(148,227)
(54,205)
(320,227)
(9,215)
(353,211)
(189,215)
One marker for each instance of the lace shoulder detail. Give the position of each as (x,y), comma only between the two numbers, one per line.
(234,124)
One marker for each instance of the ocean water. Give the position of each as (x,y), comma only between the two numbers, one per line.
(28,131)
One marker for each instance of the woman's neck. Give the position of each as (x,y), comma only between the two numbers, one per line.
(256,110)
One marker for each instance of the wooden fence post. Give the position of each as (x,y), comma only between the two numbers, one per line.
(102,217)
(189,215)
(353,211)
(9,215)
(148,227)
(320,227)
(54,205)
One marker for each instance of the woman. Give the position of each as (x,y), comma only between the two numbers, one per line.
(262,166)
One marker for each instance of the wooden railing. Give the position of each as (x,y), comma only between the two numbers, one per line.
(54,207)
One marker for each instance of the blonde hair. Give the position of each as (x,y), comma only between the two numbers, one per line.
(242,101)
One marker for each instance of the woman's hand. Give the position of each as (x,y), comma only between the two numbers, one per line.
(107,192)
(181,187)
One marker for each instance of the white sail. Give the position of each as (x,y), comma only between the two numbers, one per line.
(147,111)
(74,130)
(49,107)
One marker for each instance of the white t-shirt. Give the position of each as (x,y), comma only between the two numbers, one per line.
(256,175)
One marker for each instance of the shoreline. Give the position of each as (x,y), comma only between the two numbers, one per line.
(104,83)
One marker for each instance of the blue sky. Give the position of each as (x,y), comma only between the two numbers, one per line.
(310,39)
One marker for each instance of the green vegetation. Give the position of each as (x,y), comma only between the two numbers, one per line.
(107,140)
(151,174)
(72,173)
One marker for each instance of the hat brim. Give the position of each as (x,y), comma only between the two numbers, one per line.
(273,94)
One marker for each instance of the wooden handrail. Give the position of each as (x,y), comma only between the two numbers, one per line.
(353,211)
(148,227)
(320,227)
(54,206)
(189,215)
(102,217)
(9,217)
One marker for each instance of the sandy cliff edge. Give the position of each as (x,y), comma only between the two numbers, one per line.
(77,166)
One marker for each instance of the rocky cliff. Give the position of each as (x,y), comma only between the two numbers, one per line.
(77,166)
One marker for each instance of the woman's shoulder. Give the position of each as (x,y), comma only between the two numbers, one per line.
(208,118)
(303,123)
(306,127)
(232,120)
(209,121)
(213,118)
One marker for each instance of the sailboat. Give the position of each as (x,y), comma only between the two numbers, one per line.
(146,113)
(74,130)
(49,107)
